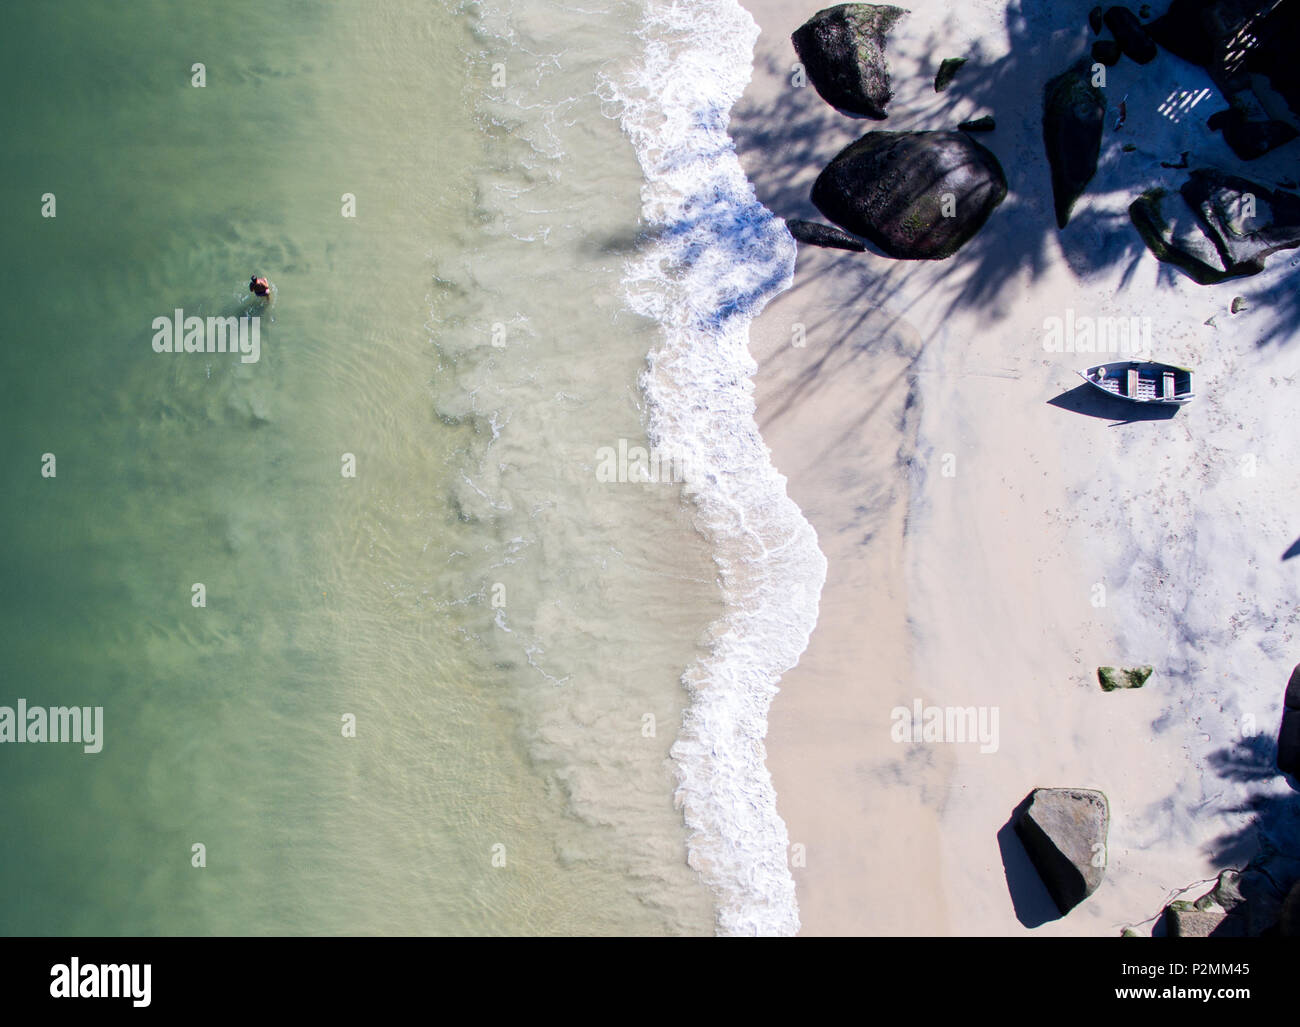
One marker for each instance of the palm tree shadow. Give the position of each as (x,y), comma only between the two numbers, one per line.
(1270,839)
(785,136)
(1252,759)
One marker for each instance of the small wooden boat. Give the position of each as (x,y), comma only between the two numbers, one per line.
(1141,381)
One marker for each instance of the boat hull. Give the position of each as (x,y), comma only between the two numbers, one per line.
(1145,382)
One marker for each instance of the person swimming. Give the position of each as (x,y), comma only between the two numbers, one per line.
(259,286)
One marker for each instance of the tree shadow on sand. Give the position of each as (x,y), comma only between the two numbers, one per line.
(1274,816)
(785,140)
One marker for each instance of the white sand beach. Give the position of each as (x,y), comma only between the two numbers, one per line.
(990,548)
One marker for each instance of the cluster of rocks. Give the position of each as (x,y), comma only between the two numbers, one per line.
(1064,831)
(1263,899)
(1131,38)
(1227,225)
(1248,48)
(924,194)
(916,195)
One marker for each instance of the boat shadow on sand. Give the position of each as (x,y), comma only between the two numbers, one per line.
(1085,399)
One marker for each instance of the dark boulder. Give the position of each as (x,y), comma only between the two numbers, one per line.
(1246,221)
(817,234)
(1250,137)
(843,50)
(983,124)
(1288,924)
(1095,19)
(1064,833)
(1106,51)
(1242,904)
(916,195)
(1182,31)
(1288,736)
(1184,920)
(1130,35)
(1172,231)
(947,71)
(1258,901)
(1074,112)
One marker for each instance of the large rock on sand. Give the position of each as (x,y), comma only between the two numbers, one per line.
(1132,38)
(1288,736)
(1106,51)
(1224,228)
(817,234)
(843,50)
(1242,904)
(916,195)
(1074,113)
(1247,221)
(1184,920)
(1064,832)
(1248,47)
(1172,232)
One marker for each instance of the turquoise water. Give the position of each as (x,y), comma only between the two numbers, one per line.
(488,208)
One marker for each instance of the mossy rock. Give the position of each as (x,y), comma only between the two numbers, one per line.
(1074,111)
(1112,678)
(916,195)
(1189,249)
(947,71)
(843,50)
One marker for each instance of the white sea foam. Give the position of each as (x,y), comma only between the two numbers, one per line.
(715,257)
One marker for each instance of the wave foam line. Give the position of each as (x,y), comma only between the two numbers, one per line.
(715,257)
